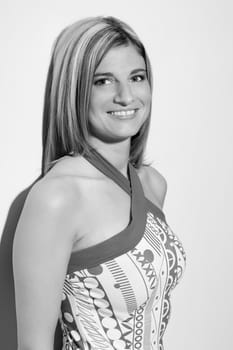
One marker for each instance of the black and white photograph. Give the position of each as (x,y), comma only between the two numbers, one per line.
(116,175)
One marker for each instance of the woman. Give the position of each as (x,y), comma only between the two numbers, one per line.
(92,245)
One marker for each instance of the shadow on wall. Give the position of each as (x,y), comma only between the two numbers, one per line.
(8,330)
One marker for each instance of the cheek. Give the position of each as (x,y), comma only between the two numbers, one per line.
(93,101)
(145,94)
(147,100)
(102,94)
(98,101)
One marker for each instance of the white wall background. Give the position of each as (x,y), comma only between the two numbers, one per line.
(190,43)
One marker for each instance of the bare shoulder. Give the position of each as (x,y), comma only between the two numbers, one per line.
(52,200)
(53,193)
(154,185)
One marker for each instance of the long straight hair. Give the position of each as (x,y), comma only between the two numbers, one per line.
(76,54)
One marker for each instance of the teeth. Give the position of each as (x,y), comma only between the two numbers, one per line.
(123,113)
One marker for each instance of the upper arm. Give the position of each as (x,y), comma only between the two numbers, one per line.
(157,185)
(41,251)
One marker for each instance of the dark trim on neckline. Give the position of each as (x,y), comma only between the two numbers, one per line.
(121,242)
(102,164)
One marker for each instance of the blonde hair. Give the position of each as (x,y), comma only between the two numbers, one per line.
(76,53)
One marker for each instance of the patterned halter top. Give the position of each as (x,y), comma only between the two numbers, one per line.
(116,294)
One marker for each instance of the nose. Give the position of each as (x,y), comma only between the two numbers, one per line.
(124,95)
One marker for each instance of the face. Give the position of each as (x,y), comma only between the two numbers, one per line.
(121,95)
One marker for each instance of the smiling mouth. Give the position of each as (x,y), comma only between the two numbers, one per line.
(123,114)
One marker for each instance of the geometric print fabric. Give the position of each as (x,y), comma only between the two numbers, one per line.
(124,303)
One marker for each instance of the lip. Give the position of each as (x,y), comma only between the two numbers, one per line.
(128,113)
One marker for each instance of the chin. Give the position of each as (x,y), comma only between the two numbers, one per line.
(125,134)
(118,132)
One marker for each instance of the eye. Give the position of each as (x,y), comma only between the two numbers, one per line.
(138,77)
(102,81)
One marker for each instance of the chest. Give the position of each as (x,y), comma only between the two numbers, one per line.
(129,290)
(106,210)
(148,270)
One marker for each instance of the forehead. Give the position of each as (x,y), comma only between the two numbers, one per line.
(125,58)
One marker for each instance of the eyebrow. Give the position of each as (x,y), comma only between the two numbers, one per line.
(109,74)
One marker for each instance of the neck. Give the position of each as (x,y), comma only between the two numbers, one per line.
(116,153)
